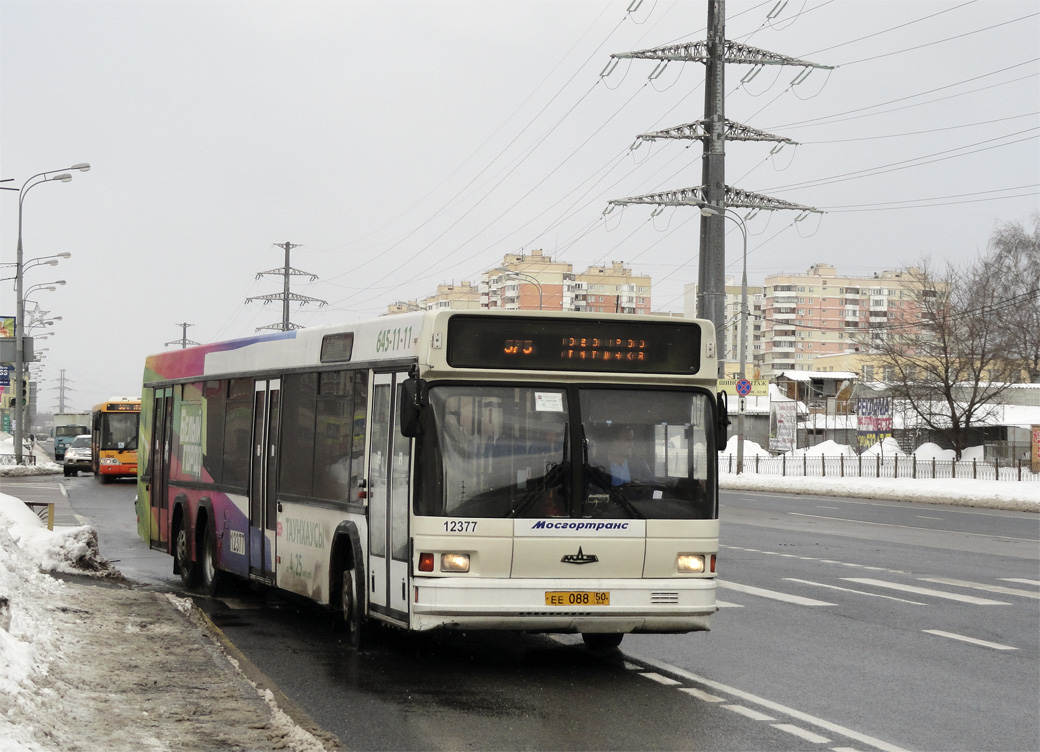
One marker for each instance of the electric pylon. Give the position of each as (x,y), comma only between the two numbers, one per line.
(183,341)
(286,295)
(713,131)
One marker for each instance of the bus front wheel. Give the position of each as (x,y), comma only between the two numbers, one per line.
(350,619)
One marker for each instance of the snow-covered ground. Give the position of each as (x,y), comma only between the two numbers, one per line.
(66,682)
(110,667)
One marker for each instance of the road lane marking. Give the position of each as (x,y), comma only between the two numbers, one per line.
(926,591)
(914,527)
(665,680)
(700,694)
(801,733)
(774,595)
(833,728)
(982,586)
(727,604)
(1020,581)
(749,713)
(972,640)
(859,592)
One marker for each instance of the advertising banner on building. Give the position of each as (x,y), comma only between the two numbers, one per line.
(873,420)
(783,425)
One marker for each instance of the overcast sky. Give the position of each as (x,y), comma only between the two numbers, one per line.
(405,144)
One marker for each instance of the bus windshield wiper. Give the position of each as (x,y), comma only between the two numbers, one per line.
(554,476)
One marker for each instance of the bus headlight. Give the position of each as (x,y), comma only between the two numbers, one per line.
(109,461)
(454,562)
(691,563)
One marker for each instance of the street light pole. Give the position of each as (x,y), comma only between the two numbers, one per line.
(19,324)
(708,211)
(528,277)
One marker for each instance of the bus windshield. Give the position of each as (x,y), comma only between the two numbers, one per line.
(119,431)
(566,451)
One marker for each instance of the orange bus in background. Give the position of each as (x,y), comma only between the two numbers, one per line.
(113,430)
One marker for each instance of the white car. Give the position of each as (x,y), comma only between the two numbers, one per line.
(78,455)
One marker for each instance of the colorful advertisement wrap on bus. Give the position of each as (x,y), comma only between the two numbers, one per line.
(207,413)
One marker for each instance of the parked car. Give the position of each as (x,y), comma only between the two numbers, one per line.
(78,455)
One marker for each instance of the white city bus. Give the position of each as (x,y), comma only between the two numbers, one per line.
(544,472)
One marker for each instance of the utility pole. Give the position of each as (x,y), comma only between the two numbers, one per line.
(286,295)
(183,341)
(713,132)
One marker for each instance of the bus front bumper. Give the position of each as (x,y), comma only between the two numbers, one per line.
(665,605)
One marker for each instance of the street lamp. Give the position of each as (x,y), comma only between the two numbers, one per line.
(709,211)
(19,326)
(528,277)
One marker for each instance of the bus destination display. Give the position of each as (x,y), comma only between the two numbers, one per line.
(554,345)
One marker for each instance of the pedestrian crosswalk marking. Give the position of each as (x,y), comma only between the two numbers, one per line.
(982,586)
(773,594)
(858,592)
(926,591)
(972,640)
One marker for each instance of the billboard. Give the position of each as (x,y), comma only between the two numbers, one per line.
(873,420)
(783,426)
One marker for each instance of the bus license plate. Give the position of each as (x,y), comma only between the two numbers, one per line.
(577,598)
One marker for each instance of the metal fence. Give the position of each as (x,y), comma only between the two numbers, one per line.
(9,459)
(877,466)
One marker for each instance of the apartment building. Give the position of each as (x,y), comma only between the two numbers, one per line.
(731,335)
(534,281)
(820,313)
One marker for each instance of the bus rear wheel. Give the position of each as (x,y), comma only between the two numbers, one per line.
(209,577)
(602,640)
(189,569)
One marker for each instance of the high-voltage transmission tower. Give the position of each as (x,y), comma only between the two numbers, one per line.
(63,387)
(713,131)
(183,341)
(286,295)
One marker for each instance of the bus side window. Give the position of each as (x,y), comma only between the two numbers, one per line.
(238,423)
(297,443)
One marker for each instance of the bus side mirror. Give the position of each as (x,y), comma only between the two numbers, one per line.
(722,421)
(413,400)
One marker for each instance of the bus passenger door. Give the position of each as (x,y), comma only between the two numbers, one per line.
(389,481)
(162,419)
(262,474)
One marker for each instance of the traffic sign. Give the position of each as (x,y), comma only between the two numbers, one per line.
(755,388)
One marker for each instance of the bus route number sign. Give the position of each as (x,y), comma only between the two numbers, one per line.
(577,598)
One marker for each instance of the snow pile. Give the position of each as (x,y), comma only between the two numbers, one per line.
(827,449)
(751,449)
(929,451)
(888,447)
(28,641)
(72,550)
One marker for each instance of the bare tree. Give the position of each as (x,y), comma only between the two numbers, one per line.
(945,359)
(1015,255)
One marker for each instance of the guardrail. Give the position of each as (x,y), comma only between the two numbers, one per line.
(44,510)
(9,459)
(876,466)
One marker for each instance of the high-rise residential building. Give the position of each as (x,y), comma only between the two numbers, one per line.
(533,281)
(455,295)
(818,313)
(731,336)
